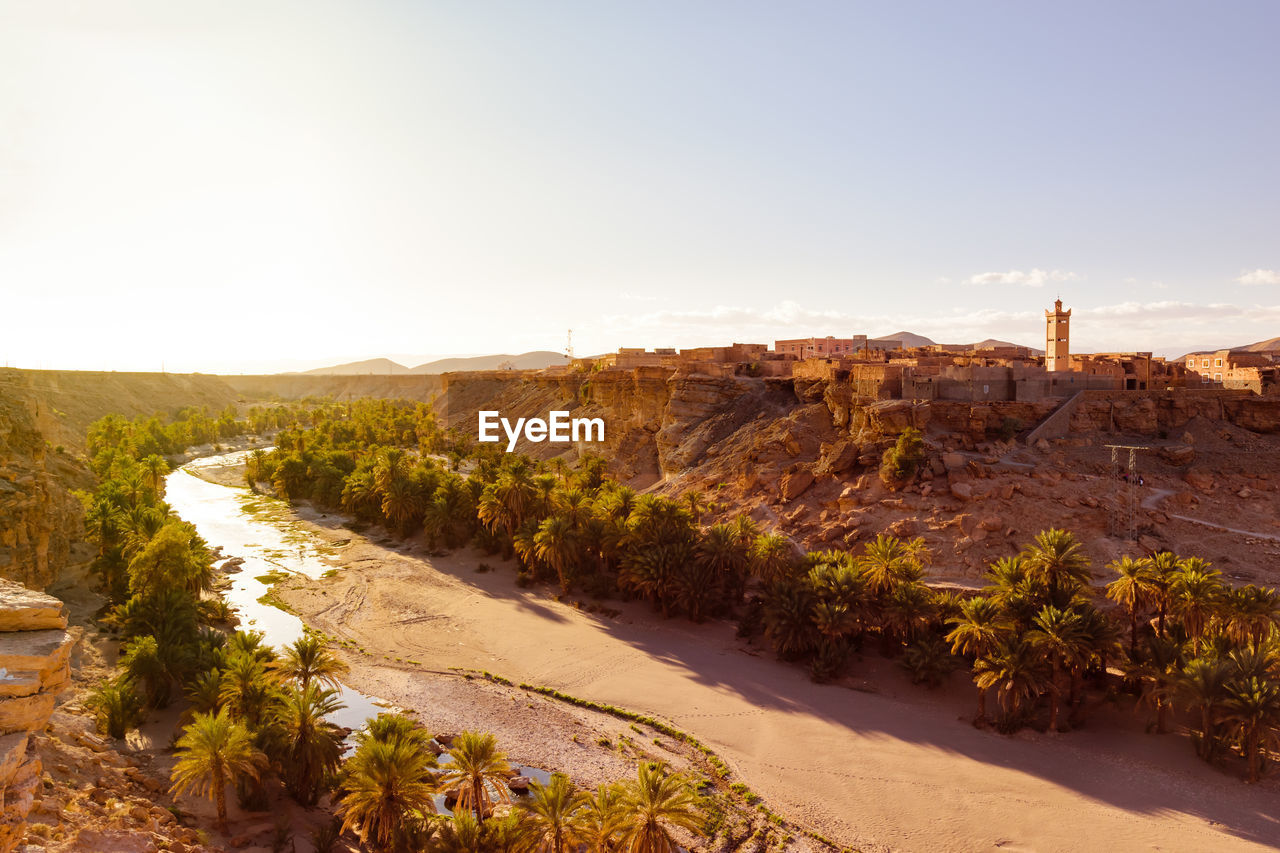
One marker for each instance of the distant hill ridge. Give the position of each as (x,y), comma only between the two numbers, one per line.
(1269,345)
(384,366)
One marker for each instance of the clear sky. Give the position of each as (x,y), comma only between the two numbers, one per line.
(267,185)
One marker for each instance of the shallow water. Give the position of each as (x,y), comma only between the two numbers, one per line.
(225,517)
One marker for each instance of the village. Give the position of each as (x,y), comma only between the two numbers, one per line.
(887,369)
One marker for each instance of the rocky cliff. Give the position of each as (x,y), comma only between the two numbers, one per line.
(35,653)
(40,520)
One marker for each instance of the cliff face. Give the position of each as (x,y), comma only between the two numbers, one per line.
(658,424)
(35,653)
(296,387)
(40,520)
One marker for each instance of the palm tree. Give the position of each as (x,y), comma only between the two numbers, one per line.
(654,803)
(1058,637)
(552,815)
(402,504)
(307,659)
(603,818)
(1250,612)
(886,562)
(1164,566)
(1196,592)
(696,501)
(907,612)
(788,619)
(722,551)
(1251,712)
(214,751)
(1018,675)
(1056,556)
(153,469)
(978,631)
(313,745)
(1203,688)
(247,690)
(1135,589)
(772,557)
(477,766)
(557,544)
(1160,673)
(388,788)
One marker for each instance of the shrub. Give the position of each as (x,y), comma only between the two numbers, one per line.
(899,464)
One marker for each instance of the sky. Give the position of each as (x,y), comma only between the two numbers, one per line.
(260,186)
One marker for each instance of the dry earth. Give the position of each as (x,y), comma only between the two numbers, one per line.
(883,766)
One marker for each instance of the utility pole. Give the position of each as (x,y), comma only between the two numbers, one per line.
(1123,519)
(568,346)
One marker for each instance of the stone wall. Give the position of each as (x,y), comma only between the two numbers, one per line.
(35,655)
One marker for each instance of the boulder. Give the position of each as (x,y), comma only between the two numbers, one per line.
(25,713)
(962,491)
(519,784)
(953,461)
(1178,454)
(1199,479)
(794,483)
(23,609)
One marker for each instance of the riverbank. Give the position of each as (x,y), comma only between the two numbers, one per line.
(887,767)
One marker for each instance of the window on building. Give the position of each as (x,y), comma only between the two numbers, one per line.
(1217,362)
(1217,377)
(1204,363)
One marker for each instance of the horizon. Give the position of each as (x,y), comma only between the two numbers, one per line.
(245,190)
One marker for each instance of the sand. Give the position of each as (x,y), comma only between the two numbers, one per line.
(886,767)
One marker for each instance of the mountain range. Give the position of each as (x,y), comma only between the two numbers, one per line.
(386,367)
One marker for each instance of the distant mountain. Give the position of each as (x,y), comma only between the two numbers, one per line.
(377,366)
(1262,346)
(1269,345)
(386,367)
(993,343)
(909,339)
(525,361)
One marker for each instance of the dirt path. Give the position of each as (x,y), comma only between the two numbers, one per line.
(1153,500)
(874,771)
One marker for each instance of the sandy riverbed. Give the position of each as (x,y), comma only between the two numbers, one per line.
(893,767)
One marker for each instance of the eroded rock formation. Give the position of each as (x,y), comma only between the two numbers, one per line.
(35,653)
(40,520)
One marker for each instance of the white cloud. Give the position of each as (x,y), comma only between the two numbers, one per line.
(1169,327)
(1260,276)
(1036,278)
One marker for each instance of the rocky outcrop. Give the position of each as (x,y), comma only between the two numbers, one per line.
(40,520)
(35,654)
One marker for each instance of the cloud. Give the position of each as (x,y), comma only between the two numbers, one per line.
(1036,278)
(1165,326)
(1259,276)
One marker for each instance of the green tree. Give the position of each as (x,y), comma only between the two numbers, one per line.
(213,751)
(655,803)
(312,744)
(388,789)
(1135,589)
(553,816)
(477,767)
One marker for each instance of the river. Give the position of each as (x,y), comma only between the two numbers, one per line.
(223,517)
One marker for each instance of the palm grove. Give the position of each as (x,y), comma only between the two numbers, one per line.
(256,714)
(1039,639)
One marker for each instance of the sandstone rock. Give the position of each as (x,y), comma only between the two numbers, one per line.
(962,491)
(979,534)
(891,417)
(990,523)
(1181,454)
(1148,544)
(25,713)
(795,483)
(1199,478)
(22,609)
(519,784)
(35,650)
(903,528)
(953,461)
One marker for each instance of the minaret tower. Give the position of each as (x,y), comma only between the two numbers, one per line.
(1057,324)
